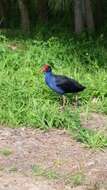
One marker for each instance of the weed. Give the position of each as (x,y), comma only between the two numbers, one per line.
(76,179)
(5,151)
(13,169)
(49,174)
(1,168)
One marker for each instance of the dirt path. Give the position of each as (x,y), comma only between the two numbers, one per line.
(36,160)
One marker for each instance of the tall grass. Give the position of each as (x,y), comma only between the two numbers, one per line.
(24,97)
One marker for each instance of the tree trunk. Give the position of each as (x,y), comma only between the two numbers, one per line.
(3,13)
(78,17)
(99,17)
(89,15)
(83,16)
(1,10)
(42,10)
(25,22)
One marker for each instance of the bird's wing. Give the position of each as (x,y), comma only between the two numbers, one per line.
(63,82)
(67,84)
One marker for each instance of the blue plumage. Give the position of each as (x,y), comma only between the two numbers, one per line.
(51,82)
(61,84)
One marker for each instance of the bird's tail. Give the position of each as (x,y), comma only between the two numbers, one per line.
(82,88)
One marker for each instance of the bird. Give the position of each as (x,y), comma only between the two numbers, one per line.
(61,84)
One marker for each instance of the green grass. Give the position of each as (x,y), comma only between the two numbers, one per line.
(5,151)
(95,140)
(26,100)
(49,174)
(13,169)
(75,179)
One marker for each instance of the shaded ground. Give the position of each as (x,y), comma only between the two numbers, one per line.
(36,160)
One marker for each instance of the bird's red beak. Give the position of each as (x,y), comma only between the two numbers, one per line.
(42,70)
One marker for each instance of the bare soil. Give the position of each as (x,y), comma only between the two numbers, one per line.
(63,163)
(94,121)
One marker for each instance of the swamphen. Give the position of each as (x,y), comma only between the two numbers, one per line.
(61,84)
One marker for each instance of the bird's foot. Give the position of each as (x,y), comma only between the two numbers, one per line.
(76,104)
(61,108)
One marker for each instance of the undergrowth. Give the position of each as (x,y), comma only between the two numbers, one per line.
(26,100)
